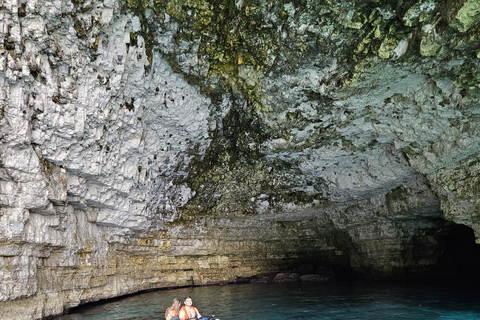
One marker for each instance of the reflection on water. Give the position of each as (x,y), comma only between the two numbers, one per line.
(287,301)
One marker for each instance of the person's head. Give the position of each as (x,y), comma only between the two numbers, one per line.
(188,301)
(176,304)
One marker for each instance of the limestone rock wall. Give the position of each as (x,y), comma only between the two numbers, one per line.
(90,147)
(146,144)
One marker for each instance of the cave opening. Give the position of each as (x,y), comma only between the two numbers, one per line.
(454,255)
(461,256)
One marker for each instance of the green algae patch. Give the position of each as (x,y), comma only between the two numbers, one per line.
(429,45)
(240,46)
(233,42)
(232,171)
(467,16)
(424,29)
(387,47)
(237,43)
(419,12)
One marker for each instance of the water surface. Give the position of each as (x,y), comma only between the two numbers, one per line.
(286,301)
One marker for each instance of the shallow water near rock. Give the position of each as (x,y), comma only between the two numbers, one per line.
(297,300)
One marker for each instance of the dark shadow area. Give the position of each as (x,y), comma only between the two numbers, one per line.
(461,257)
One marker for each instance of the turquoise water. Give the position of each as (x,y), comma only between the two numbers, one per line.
(282,301)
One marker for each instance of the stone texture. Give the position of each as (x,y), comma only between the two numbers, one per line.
(149,144)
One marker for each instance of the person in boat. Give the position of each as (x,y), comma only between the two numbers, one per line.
(189,312)
(172,312)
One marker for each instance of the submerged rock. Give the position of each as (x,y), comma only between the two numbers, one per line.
(314,278)
(286,277)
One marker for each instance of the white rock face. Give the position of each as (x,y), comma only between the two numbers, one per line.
(90,146)
(109,129)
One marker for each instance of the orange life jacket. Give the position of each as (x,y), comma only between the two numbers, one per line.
(184,308)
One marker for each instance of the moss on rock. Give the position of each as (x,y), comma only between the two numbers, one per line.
(241,46)
(467,16)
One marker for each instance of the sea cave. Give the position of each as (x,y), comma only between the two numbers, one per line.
(150,144)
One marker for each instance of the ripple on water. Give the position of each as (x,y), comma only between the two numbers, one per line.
(324,300)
